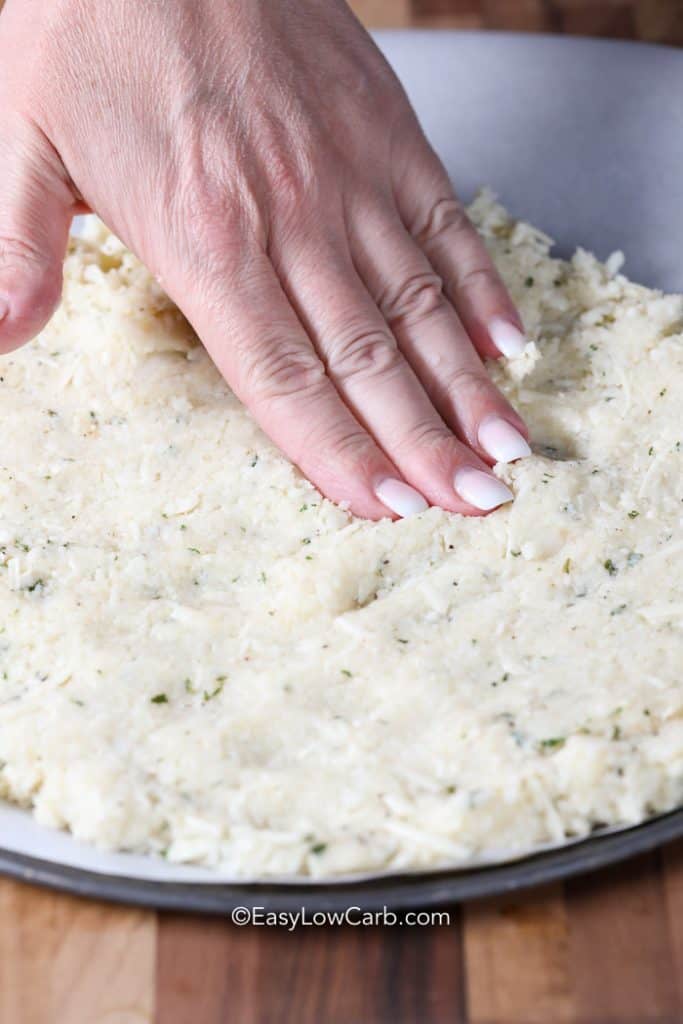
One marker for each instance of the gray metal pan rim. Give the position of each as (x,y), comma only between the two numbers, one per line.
(396,892)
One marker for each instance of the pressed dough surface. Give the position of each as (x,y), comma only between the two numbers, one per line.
(202,658)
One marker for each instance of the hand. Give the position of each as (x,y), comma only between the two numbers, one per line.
(263,161)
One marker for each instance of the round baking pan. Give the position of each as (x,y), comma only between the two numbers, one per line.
(396,892)
(583,138)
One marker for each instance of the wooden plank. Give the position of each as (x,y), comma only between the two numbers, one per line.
(69,961)
(659,21)
(619,948)
(519,15)
(210,972)
(516,960)
(672,870)
(383,13)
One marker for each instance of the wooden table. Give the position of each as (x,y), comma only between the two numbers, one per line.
(606,949)
(657,21)
(603,949)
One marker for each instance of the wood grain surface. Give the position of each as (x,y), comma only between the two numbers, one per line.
(604,949)
(649,20)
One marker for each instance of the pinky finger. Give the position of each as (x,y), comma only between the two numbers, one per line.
(438,222)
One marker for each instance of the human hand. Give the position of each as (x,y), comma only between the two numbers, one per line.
(264,163)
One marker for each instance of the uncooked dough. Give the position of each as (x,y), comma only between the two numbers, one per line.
(202,658)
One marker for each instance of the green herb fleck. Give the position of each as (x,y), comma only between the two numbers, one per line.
(318,848)
(567,567)
(529,282)
(610,566)
(554,742)
(345,672)
(160,698)
(195,551)
(633,514)
(219,689)
(254,461)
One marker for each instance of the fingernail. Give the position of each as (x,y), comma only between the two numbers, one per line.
(507,338)
(401,498)
(480,489)
(502,441)
(4,309)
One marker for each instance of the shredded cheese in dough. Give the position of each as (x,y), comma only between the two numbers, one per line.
(200,657)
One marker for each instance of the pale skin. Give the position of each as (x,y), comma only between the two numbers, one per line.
(263,161)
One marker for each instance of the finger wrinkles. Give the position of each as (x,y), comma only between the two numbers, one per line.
(419,297)
(352,453)
(444,215)
(475,277)
(31,278)
(362,356)
(427,439)
(462,394)
(270,369)
(15,250)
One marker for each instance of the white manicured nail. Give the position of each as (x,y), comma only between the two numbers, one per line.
(401,498)
(507,338)
(502,441)
(480,489)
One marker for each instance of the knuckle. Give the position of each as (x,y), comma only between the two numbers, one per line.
(15,251)
(37,281)
(274,369)
(212,209)
(430,440)
(347,455)
(465,380)
(290,163)
(290,178)
(475,277)
(364,355)
(444,215)
(212,221)
(465,377)
(420,296)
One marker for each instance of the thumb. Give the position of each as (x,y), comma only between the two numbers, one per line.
(36,207)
